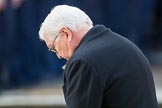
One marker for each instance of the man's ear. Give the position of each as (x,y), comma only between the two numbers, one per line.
(67,33)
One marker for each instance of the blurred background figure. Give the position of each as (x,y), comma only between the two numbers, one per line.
(26,61)
(156,27)
(6,37)
(155,34)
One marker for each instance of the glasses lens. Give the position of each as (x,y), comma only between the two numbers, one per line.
(53,48)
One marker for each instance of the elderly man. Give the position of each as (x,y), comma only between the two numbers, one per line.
(104,69)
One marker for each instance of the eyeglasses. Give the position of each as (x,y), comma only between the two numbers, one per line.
(53,47)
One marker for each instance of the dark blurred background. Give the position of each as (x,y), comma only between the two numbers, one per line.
(25,60)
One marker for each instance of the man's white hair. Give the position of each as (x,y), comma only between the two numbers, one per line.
(63,16)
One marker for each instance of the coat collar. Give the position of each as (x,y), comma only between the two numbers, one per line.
(93,32)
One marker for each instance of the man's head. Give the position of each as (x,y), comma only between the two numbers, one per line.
(64,28)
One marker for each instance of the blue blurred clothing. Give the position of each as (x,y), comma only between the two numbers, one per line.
(131,19)
(33,61)
(30,61)
(6,34)
(155,40)
(7,41)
